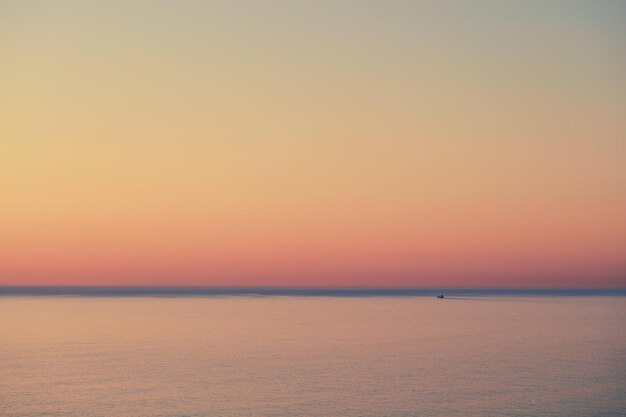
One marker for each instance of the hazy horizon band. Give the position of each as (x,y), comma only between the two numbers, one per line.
(177,291)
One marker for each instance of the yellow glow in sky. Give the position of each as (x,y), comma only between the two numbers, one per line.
(313,143)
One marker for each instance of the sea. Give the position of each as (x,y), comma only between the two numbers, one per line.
(284,352)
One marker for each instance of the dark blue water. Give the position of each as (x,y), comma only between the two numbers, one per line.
(189,291)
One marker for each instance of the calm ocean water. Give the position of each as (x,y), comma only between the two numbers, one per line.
(312,354)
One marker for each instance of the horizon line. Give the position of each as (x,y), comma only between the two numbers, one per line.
(218,291)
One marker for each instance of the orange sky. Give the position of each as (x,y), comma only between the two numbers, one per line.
(235,143)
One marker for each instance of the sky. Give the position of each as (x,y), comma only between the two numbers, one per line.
(313,143)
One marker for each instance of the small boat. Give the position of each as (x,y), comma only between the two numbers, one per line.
(440,296)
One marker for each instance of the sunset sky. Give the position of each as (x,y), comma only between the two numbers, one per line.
(313,143)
